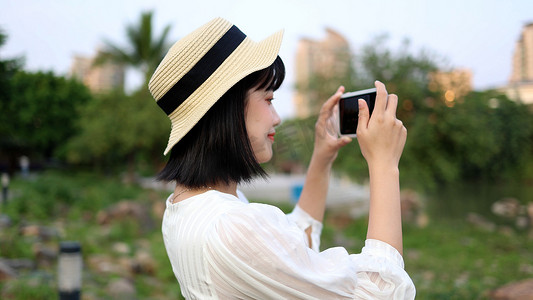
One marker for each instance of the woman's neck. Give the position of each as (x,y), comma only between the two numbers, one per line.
(182,192)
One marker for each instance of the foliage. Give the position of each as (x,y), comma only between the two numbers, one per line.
(40,112)
(450,259)
(145,50)
(35,287)
(116,126)
(70,202)
(48,116)
(294,143)
(405,74)
(55,192)
(482,135)
(8,68)
(447,259)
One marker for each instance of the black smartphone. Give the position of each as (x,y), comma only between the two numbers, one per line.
(349,110)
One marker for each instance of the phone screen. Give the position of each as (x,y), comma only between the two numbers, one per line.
(349,110)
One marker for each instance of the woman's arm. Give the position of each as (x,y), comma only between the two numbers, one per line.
(382,139)
(327,144)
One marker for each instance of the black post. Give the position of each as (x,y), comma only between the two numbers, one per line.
(69,271)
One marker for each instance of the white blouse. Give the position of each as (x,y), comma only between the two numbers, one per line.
(222,247)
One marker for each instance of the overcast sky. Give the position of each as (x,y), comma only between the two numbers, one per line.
(478,35)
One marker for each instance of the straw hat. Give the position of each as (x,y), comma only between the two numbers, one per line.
(201,67)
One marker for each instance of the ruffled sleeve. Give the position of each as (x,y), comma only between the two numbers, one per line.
(304,221)
(381,273)
(258,252)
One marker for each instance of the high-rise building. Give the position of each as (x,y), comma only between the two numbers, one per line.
(101,78)
(454,84)
(523,56)
(520,86)
(318,62)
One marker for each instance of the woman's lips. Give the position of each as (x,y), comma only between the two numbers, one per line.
(271,136)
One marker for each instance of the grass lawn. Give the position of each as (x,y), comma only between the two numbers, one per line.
(454,259)
(447,259)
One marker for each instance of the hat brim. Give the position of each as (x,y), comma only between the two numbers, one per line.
(247,58)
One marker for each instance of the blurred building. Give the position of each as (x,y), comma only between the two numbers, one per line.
(523,56)
(454,84)
(520,86)
(98,79)
(316,64)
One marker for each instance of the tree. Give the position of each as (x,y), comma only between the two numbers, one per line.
(8,147)
(8,68)
(117,128)
(489,135)
(144,50)
(38,110)
(485,136)
(405,74)
(40,113)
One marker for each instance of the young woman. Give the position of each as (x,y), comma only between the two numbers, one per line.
(216,86)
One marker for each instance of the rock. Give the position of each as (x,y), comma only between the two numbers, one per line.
(126,266)
(522,222)
(526,268)
(30,230)
(521,290)
(144,263)
(121,289)
(412,254)
(6,271)
(46,256)
(422,220)
(125,210)
(529,211)
(20,263)
(462,279)
(410,205)
(506,230)
(507,207)
(48,233)
(412,208)
(158,209)
(339,220)
(121,248)
(5,221)
(480,222)
(42,232)
(101,264)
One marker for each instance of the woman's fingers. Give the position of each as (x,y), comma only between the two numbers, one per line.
(364,115)
(381,97)
(327,107)
(392,104)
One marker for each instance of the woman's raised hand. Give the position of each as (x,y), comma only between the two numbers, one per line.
(327,141)
(381,136)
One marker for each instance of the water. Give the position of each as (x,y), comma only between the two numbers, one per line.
(457,201)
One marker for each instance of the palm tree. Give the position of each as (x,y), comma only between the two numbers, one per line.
(144,51)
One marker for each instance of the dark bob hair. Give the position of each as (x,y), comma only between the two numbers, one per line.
(217,149)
